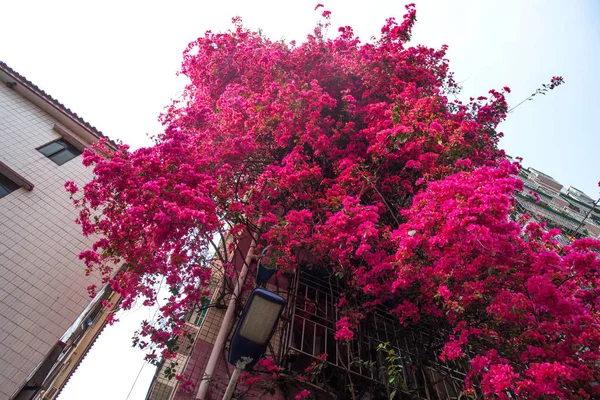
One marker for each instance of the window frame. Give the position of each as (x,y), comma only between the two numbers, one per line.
(7,185)
(67,147)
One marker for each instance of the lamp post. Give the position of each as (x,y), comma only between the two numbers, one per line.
(253,333)
(264,270)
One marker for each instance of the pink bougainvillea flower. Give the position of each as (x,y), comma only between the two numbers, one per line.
(304,394)
(360,155)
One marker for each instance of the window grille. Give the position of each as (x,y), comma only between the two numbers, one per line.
(311,316)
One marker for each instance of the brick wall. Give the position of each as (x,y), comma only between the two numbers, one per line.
(42,282)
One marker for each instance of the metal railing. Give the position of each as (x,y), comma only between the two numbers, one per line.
(311,316)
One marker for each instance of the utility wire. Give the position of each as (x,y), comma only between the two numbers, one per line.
(135,381)
(586,216)
(144,364)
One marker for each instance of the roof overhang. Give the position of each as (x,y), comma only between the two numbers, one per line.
(63,115)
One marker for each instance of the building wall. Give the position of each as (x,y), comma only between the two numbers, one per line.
(566,211)
(42,281)
(192,359)
(548,184)
(558,202)
(200,353)
(579,195)
(545,180)
(593,229)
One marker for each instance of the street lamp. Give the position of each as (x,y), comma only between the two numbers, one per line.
(253,333)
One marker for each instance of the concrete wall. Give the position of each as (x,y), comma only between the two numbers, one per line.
(42,281)
(560,203)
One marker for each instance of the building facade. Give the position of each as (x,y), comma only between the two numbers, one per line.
(304,339)
(42,281)
(305,335)
(89,326)
(544,199)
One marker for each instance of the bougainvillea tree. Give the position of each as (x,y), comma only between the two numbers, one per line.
(360,154)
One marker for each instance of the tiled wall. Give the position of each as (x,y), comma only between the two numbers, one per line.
(191,359)
(201,353)
(193,363)
(42,281)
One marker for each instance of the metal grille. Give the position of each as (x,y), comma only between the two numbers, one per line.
(311,315)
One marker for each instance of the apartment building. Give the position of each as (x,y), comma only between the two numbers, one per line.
(305,337)
(566,208)
(305,334)
(42,281)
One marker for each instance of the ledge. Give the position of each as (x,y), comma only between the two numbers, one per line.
(70,137)
(15,177)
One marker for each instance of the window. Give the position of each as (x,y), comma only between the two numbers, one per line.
(60,151)
(196,316)
(6,186)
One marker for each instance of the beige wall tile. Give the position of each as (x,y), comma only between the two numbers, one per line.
(42,282)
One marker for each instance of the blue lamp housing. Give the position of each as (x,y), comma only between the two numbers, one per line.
(256,326)
(263,271)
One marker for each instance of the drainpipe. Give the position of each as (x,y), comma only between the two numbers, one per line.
(226,324)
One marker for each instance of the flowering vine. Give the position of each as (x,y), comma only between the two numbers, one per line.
(359,154)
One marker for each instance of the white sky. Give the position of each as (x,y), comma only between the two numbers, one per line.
(114,63)
(110,368)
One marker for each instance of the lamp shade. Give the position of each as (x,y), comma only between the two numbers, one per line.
(256,326)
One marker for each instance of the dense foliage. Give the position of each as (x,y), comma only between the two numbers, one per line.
(360,154)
